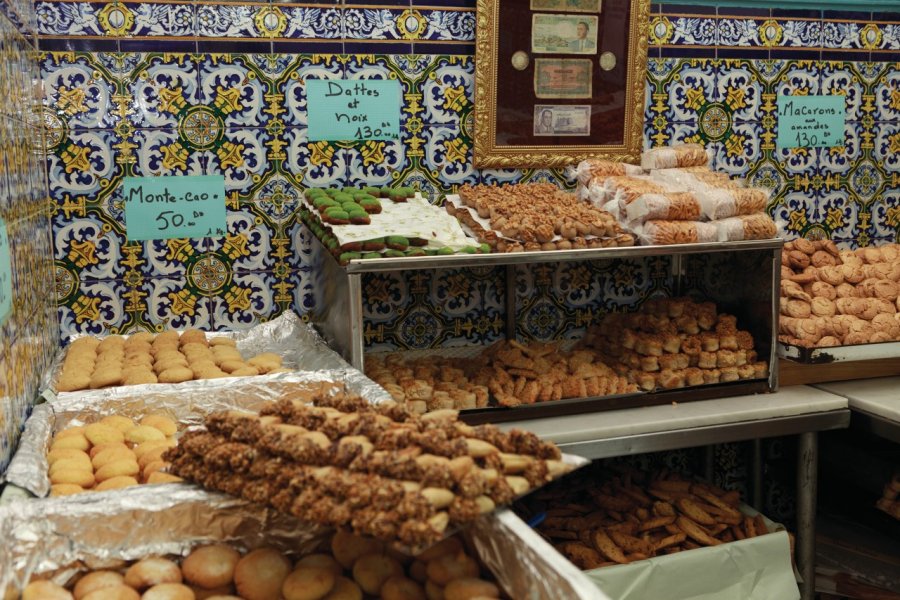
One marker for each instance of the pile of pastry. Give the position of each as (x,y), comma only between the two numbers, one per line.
(832,297)
(675,198)
(112,453)
(386,473)
(346,570)
(168,357)
(535,216)
(602,518)
(671,343)
(509,372)
(890,499)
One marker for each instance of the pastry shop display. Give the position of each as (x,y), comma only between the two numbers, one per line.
(532,217)
(145,358)
(112,453)
(889,503)
(347,567)
(371,222)
(508,373)
(672,343)
(832,297)
(606,517)
(374,468)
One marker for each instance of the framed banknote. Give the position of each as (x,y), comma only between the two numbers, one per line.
(558,81)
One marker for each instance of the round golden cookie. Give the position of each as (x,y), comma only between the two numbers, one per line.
(65,489)
(344,589)
(98,434)
(210,566)
(116,483)
(159,477)
(225,350)
(141,336)
(154,455)
(153,467)
(139,377)
(85,342)
(176,375)
(121,423)
(152,571)
(232,365)
(115,592)
(45,590)
(112,454)
(322,561)
(65,453)
(192,336)
(450,545)
(95,581)
(117,468)
(74,430)
(161,422)
(133,360)
(467,588)
(142,449)
(193,354)
(167,337)
(194,347)
(260,574)
(308,583)
(136,347)
(448,567)
(169,362)
(166,347)
(112,341)
(77,441)
(373,570)
(102,378)
(111,354)
(169,591)
(347,547)
(246,372)
(222,341)
(79,477)
(266,362)
(225,592)
(205,372)
(73,382)
(95,450)
(140,434)
(78,366)
(72,464)
(402,588)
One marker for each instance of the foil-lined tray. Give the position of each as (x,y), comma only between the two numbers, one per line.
(188,405)
(299,345)
(59,538)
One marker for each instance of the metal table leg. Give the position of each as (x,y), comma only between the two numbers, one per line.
(807,482)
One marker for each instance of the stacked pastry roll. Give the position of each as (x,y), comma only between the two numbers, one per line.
(832,297)
(378,469)
(679,201)
(672,343)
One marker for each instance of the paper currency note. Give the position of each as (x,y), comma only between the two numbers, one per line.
(555,120)
(587,6)
(562,78)
(564,34)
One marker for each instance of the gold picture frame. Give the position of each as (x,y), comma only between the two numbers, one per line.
(514,63)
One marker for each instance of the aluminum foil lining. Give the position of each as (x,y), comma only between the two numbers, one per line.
(299,345)
(61,537)
(187,404)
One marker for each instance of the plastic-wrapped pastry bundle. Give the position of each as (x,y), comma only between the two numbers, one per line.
(592,170)
(672,157)
(759,226)
(677,232)
(678,206)
(721,203)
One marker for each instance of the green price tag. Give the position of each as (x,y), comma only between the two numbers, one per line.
(811,121)
(353,109)
(6,295)
(163,208)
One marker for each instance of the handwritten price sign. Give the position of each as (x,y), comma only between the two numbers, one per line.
(5,273)
(353,109)
(811,121)
(163,208)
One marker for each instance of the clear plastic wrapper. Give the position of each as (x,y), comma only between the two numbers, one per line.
(759,226)
(677,232)
(679,206)
(721,203)
(299,345)
(59,538)
(672,157)
(187,405)
(591,170)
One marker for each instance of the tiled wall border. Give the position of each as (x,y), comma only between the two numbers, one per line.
(336,27)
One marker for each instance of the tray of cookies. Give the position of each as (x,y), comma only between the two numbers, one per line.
(375,468)
(184,544)
(839,305)
(619,524)
(115,438)
(88,363)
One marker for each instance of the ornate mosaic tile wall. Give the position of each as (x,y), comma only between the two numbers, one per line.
(28,337)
